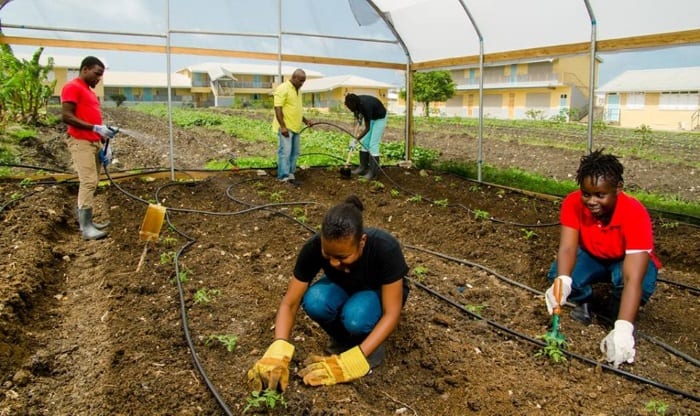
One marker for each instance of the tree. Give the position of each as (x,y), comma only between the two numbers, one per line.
(430,87)
(24,87)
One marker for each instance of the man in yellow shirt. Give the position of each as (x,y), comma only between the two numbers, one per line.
(287,124)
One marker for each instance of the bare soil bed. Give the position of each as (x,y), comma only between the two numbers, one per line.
(86,329)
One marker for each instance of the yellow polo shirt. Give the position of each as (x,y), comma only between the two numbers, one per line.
(287,97)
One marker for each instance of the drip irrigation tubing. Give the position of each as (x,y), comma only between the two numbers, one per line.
(653,340)
(596,363)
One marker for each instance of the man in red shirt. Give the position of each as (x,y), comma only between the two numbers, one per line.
(606,235)
(80,110)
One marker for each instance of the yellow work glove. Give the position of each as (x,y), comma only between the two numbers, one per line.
(342,368)
(272,370)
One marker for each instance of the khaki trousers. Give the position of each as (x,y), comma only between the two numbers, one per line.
(86,161)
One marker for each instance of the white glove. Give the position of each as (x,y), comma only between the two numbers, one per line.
(105,131)
(549,298)
(352,145)
(618,345)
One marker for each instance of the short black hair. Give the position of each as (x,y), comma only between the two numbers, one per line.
(352,101)
(598,165)
(344,220)
(90,61)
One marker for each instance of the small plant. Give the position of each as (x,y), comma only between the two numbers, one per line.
(441,203)
(26,182)
(268,399)
(474,188)
(395,193)
(166,257)
(529,234)
(553,349)
(299,214)
(205,296)
(438,178)
(658,407)
(420,272)
(671,225)
(276,196)
(481,215)
(415,198)
(378,186)
(182,276)
(229,341)
(169,242)
(475,309)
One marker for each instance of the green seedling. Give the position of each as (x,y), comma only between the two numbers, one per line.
(395,193)
(415,198)
(476,309)
(277,196)
(672,225)
(169,241)
(441,203)
(657,407)
(501,193)
(268,399)
(182,276)
(167,257)
(529,234)
(420,272)
(15,196)
(553,348)
(26,182)
(474,188)
(438,178)
(228,340)
(205,296)
(299,214)
(377,185)
(481,215)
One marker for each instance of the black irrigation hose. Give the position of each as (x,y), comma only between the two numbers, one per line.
(568,353)
(16,165)
(653,340)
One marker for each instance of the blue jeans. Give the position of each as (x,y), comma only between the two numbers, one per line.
(287,154)
(370,143)
(589,269)
(347,318)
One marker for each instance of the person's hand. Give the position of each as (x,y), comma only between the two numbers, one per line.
(352,144)
(284,132)
(549,297)
(325,371)
(271,372)
(618,345)
(106,155)
(309,123)
(106,132)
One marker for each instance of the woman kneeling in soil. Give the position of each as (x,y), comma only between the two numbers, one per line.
(606,235)
(357,301)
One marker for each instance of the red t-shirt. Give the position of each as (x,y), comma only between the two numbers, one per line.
(87,108)
(629,228)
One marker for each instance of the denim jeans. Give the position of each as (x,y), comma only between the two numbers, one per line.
(287,154)
(347,318)
(589,269)
(370,143)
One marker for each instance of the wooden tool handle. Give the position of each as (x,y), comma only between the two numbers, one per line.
(557,296)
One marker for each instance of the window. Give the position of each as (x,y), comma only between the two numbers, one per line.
(679,100)
(635,100)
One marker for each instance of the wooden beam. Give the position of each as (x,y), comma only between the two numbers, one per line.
(182,50)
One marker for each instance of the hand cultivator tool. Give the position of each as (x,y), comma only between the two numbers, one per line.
(345,171)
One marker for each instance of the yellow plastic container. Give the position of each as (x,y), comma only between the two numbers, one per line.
(152,222)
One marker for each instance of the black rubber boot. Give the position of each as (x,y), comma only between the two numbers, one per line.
(373,168)
(582,313)
(87,227)
(364,160)
(98,225)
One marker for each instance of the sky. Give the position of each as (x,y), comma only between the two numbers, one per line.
(328,17)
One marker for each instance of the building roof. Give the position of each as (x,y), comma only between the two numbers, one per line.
(144,79)
(254,69)
(331,83)
(655,80)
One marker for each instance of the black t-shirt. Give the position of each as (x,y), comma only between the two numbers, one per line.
(371,108)
(382,262)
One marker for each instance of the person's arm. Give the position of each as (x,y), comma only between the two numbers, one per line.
(280,119)
(68,116)
(366,128)
(634,267)
(288,308)
(566,255)
(392,300)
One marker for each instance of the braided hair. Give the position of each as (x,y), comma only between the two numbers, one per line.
(599,165)
(344,220)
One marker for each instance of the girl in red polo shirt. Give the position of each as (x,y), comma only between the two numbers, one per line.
(606,235)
